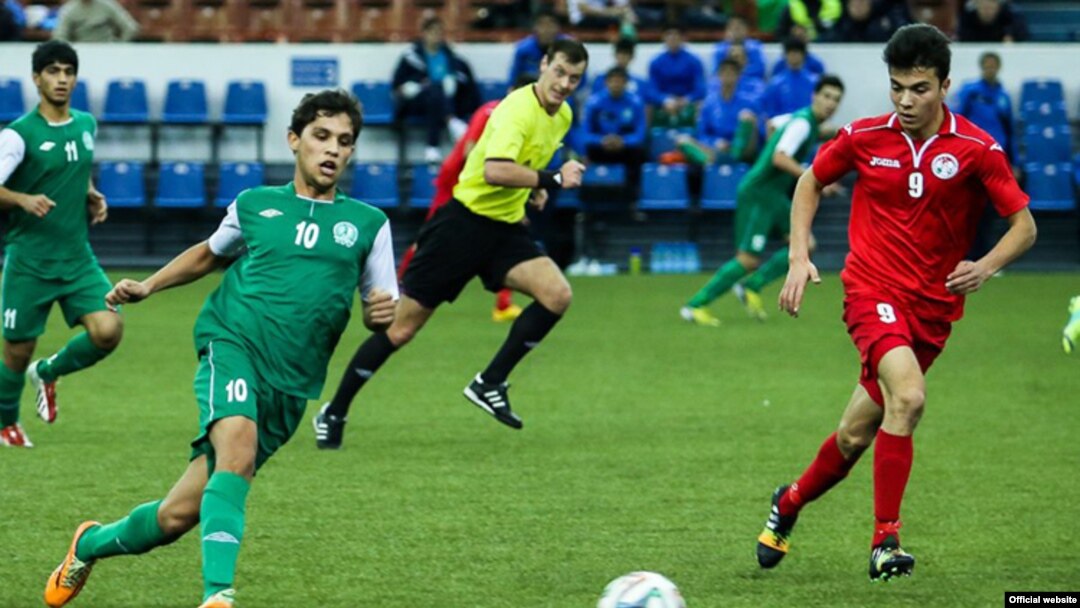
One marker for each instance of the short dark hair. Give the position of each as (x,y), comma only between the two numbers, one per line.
(523,79)
(54,51)
(429,22)
(729,63)
(625,45)
(794,44)
(573,50)
(545,13)
(990,55)
(328,102)
(829,80)
(919,46)
(617,71)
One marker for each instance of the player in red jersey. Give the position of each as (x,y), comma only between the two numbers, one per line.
(505,309)
(924,175)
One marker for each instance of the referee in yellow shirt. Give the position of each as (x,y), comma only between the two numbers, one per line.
(480,233)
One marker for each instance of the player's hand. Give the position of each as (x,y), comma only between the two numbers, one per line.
(968,277)
(539,199)
(96,206)
(379,307)
(833,189)
(36,204)
(791,295)
(126,291)
(572,171)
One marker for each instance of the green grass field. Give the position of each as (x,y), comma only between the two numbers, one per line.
(648,444)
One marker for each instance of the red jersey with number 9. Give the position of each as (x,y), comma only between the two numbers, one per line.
(916,205)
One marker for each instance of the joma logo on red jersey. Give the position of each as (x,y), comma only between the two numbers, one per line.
(892,163)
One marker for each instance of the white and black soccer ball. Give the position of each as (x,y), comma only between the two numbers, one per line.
(641,590)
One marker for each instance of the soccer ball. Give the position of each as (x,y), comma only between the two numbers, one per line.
(641,590)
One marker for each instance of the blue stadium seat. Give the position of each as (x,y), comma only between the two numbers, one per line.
(180,185)
(376,184)
(377,101)
(80,97)
(1042,102)
(234,178)
(245,103)
(662,139)
(125,102)
(1047,144)
(1050,186)
(663,187)
(423,186)
(11,99)
(185,102)
(567,199)
(122,183)
(719,186)
(611,176)
(490,90)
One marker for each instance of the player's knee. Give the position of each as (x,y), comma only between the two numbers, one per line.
(749,262)
(557,298)
(17,359)
(107,334)
(401,334)
(853,439)
(908,403)
(176,519)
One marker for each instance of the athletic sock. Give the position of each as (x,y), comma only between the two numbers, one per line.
(720,283)
(222,517)
(367,360)
(893,455)
(135,534)
(11,387)
(503,299)
(773,268)
(527,331)
(827,470)
(741,150)
(78,353)
(694,154)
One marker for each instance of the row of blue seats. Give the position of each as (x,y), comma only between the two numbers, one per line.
(126,102)
(663,187)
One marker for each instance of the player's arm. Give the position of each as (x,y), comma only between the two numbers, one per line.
(12,152)
(198,261)
(804,207)
(378,282)
(969,276)
(508,174)
(795,134)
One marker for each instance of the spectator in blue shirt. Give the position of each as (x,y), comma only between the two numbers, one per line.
(811,62)
(985,103)
(737,33)
(676,82)
(727,126)
(792,88)
(752,86)
(624,56)
(433,82)
(530,50)
(614,125)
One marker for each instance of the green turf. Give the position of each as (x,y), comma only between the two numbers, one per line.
(648,444)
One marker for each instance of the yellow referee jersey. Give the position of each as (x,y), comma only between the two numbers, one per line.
(520,130)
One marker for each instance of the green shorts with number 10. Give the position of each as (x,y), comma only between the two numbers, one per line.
(228,384)
(30,288)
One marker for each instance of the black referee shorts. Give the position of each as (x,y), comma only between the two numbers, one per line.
(457,245)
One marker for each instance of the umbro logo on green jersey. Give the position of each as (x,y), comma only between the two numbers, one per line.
(270,213)
(46,146)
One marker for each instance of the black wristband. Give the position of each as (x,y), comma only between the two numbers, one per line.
(549,180)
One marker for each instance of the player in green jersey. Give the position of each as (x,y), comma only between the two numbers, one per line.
(48,197)
(763,205)
(263,339)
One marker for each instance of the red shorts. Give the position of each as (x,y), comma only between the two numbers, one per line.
(879,323)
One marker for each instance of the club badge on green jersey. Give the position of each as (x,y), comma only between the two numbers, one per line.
(345,234)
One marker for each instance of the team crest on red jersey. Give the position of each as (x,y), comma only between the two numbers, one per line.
(945,166)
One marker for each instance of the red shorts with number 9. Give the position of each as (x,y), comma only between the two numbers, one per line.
(879,323)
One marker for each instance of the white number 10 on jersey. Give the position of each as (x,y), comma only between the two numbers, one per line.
(307,234)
